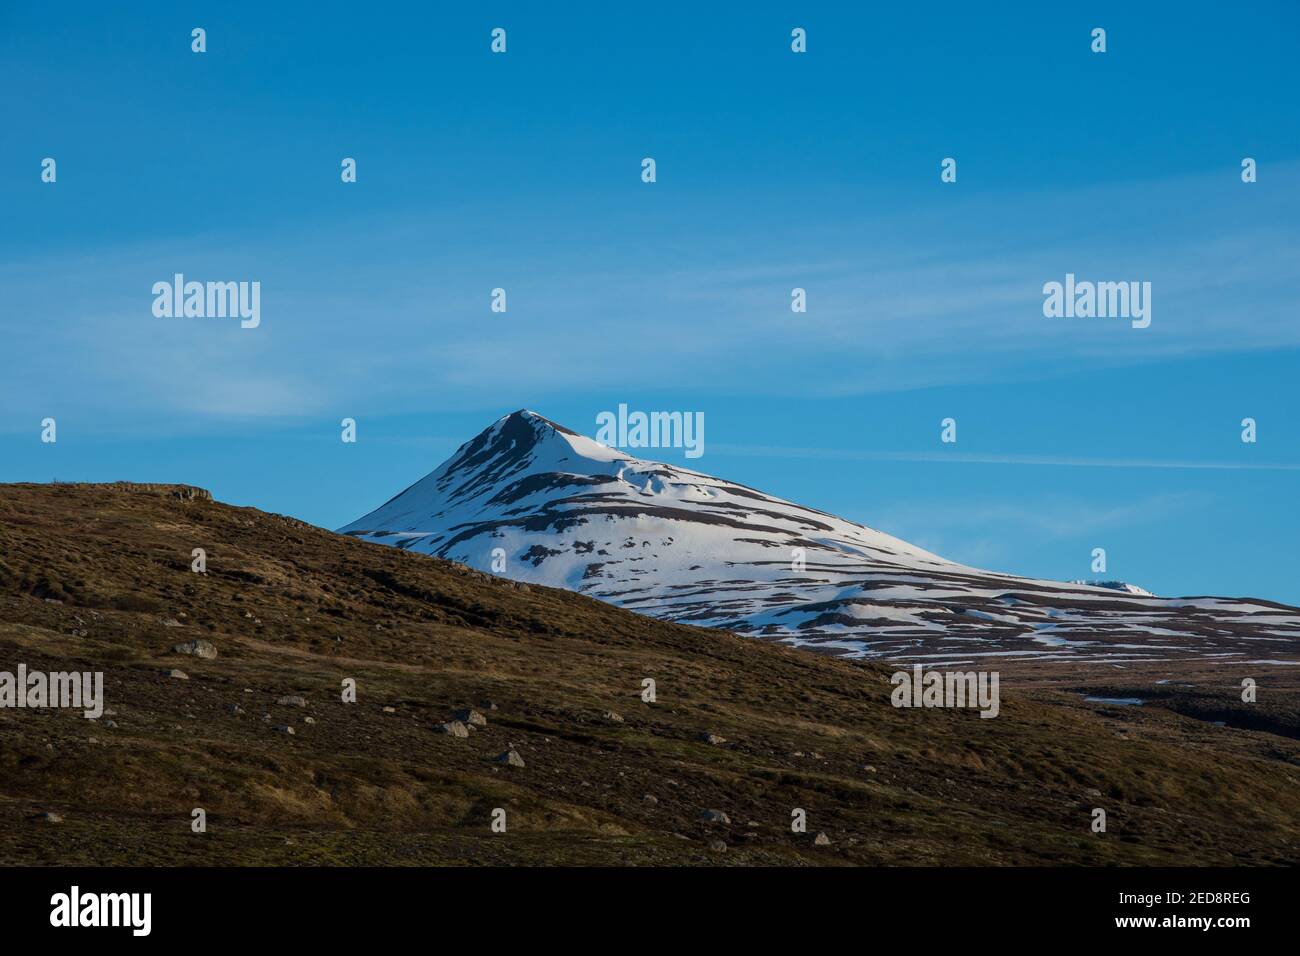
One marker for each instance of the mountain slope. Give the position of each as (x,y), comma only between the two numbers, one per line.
(99,577)
(684,546)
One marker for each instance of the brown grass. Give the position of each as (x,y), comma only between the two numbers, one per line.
(295,610)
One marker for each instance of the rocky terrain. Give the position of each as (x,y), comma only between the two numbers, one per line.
(475,694)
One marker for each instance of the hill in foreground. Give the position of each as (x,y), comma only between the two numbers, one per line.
(98,577)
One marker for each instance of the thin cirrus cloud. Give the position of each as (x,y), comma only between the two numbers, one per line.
(981,531)
(973,458)
(399,320)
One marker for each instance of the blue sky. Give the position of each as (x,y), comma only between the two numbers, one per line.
(775,170)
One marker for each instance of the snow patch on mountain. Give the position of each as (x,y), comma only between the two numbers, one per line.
(567,511)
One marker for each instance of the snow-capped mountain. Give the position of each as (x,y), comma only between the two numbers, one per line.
(536,502)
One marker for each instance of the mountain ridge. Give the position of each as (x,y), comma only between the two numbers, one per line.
(538,502)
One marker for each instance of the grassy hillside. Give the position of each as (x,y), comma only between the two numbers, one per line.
(97,577)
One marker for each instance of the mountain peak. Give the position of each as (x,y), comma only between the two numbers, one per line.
(537,502)
(523,425)
(521,432)
(486,470)
(533,418)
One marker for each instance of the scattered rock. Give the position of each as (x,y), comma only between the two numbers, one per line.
(309,720)
(292,700)
(714,739)
(172,622)
(613,717)
(1093,792)
(715,816)
(470,717)
(717,846)
(390,710)
(179,675)
(284,729)
(234,709)
(47,817)
(197,648)
(188,493)
(453,727)
(821,839)
(651,799)
(510,758)
(110,723)
(867,768)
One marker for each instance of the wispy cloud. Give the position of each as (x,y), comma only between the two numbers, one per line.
(397,317)
(974,458)
(991,533)
(1045,517)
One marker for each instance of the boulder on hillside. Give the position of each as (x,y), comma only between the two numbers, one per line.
(197,648)
(510,758)
(453,728)
(470,717)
